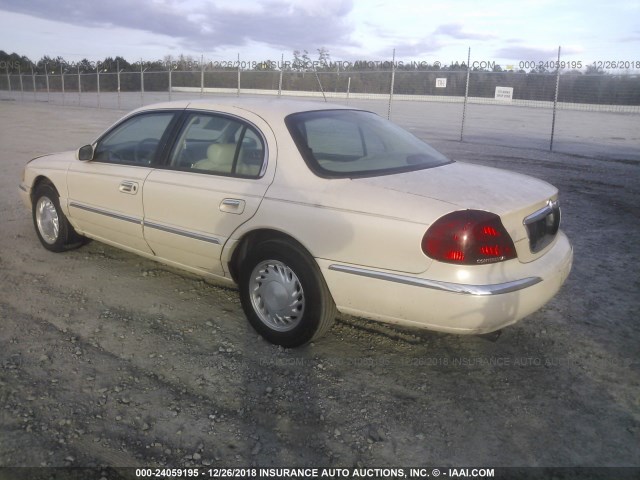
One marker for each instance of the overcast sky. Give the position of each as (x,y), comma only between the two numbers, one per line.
(504,31)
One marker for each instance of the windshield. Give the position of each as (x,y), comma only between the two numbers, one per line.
(353,143)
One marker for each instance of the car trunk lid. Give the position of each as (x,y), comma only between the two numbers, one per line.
(512,196)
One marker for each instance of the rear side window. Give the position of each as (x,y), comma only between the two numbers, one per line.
(351,143)
(221,145)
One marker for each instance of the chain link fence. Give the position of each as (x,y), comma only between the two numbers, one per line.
(590,114)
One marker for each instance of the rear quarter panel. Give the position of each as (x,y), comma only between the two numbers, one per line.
(342,220)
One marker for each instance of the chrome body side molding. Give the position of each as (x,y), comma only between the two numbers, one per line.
(106,213)
(184,233)
(461,288)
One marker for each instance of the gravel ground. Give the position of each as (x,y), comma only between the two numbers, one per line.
(110,359)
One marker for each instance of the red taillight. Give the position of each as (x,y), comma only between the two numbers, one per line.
(468,237)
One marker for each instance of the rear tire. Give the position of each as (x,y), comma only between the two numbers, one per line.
(284,295)
(52,227)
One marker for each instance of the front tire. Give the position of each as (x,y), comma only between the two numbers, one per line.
(284,295)
(52,227)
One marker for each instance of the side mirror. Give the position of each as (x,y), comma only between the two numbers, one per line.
(85,153)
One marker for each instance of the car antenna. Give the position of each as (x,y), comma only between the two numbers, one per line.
(320,84)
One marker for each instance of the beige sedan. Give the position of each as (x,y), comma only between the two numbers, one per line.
(309,209)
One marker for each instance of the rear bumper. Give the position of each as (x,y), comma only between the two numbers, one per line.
(439,304)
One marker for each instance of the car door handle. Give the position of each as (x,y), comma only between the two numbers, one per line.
(232,205)
(128,187)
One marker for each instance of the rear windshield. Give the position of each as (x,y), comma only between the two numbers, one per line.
(353,143)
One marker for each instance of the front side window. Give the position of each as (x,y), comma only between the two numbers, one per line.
(220,145)
(135,141)
(351,143)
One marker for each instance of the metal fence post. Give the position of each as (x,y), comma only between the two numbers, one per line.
(79,87)
(21,86)
(98,81)
(280,79)
(46,74)
(33,79)
(202,75)
(393,79)
(170,68)
(466,95)
(555,103)
(118,78)
(62,82)
(141,83)
(238,93)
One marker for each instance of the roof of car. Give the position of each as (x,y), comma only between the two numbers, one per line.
(264,107)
